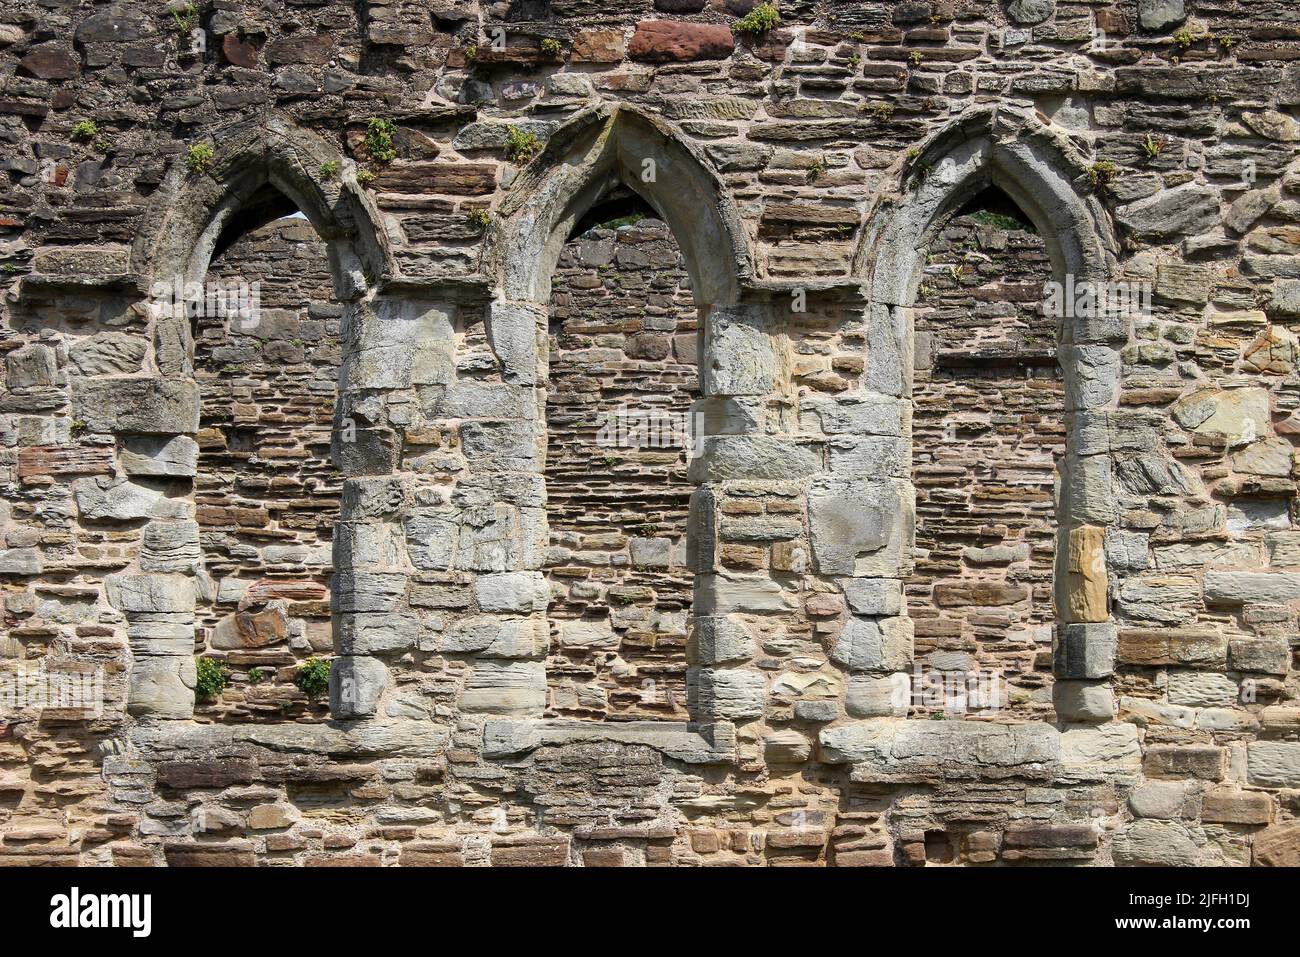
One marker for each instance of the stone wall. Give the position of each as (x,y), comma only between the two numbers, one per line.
(618,403)
(443,152)
(988,434)
(266,493)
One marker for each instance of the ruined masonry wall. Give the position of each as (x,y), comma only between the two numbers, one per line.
(806,174)
(266,493)
(622,342)
(988,437)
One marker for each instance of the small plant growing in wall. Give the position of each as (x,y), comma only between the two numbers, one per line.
(551,48)
(471,54)
(329,169)
(479,218)
(1184,38)
(212,679)
(379,140)
(1227,41)
(762,19)
(818,169)
(1152,147)
(185,19)
(199,158)
(84,130)
(916,58)
(1102,173)
(521,146)
(365,177)
(313,677)
(257,675)
(883,112)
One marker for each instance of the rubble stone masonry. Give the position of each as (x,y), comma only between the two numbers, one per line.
(983,318)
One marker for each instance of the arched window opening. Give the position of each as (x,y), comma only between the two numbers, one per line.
(267,497)
(622,378)
(988,435)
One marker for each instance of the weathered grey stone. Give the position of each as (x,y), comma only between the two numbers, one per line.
(895,747)
(872,696)
(369,591)
(505,687)
(754,457)
(848,519)
(786,747)
(1094,379)
(1268,457)
(730,693)
(491,636)
(1238,416)
(381,355)
(1170,600)
(1249,588)
(431,540)
(739,354)
(356,684)
(100,499)
(651,552)
(1148,843)
(588,635)
(1091,489)
(471,399)
(1250,207)
(727,594)
(1029,12)
(1273,764)
(100,260)
(513,330)
(1111,746)
(881,457)
(493,136)
(520,592)
(487,540)
(854,413)
(1201,689)
(149,594)
(108,353)
(1084,701)
(1164,800)
(1266,655)
(370,634)
(1158,14)
(1181,211)
(20,561)
(1150,473)
(151,406)
(170,547)
(1085,651)
(721,640)
(502,446)
(1284,299)
(504,738)
(867,644)
(30,366)
(162,687)
(874,596)
(156,455)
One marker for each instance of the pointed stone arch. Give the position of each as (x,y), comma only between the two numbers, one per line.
(1046,176)
(189,212)
(604,147)
(175,246)
(583,159)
